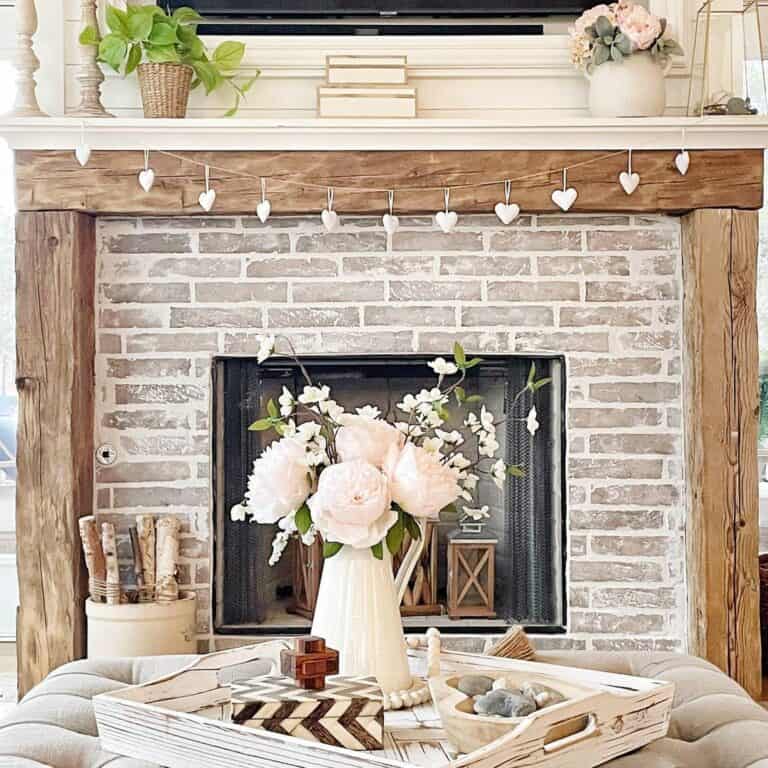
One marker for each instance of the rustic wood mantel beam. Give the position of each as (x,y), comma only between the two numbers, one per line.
(55,274)
(53,180)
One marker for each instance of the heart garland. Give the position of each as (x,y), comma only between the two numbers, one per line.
(329,217)
(264,208)
(565,198)
(147,175)
(389,221)
(207,198)
(506,211)
(83,153)
(629,180)
(447,219)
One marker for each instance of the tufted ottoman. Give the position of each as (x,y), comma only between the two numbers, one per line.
(714,723)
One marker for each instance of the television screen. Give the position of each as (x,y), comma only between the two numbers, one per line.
(321,8)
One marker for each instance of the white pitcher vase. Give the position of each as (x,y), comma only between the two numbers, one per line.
(634,87)
(358,614)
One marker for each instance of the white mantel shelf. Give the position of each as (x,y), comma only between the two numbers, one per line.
(317,135)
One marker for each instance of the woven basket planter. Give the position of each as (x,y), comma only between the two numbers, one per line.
(165,89)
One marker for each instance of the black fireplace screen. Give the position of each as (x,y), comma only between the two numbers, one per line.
(527,519)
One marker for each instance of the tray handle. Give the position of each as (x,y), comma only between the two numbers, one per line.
(567,741)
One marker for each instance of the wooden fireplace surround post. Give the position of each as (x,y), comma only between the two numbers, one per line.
(58,201)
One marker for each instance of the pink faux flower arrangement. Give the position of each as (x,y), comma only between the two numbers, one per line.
(358,480)
(611,32)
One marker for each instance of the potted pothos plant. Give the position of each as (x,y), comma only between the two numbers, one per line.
(169,57)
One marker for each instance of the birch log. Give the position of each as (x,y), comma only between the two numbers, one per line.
(109,544)
(94,557)
(167,588)
(145,525)
(138,565)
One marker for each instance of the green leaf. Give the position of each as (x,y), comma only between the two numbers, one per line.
(378,551)
(473,362)
(272,409)
(229,55)
(112,51)
(395,535)
(531,375)
(450,510)
(515,471)
(232,111)
(117,21)
(414,531)
(461,394)
(139,26)
(194,50)
(134,58)
(89,36)
(604,28)
(303,519)
(537,385)
(163,34)
(331,548)
(187,16)
(600,55)
(474,399)
(162,54)
(208,75)
(262,425)
(458,355)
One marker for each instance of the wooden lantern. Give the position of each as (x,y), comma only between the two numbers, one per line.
(420,598)
(471,574)
(307,568)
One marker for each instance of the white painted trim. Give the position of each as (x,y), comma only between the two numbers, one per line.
(419,134)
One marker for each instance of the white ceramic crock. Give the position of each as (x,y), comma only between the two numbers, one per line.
(634,87)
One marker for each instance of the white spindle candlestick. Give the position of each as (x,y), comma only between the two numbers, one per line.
(89,73)
(26,61)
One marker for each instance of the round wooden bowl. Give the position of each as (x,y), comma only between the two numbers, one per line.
(468,731)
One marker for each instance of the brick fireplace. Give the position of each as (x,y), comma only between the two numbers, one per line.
(603,290)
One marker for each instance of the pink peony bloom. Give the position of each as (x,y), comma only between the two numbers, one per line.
(640,26)
(352,505)
(362,437)
(420,483)
(588,18)
(279,483)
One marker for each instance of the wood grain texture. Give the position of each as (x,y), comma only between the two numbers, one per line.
(721,419)
(55,275)
(108,184)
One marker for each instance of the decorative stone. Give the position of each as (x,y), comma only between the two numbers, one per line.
(475,685)
(505,703)
(543,695)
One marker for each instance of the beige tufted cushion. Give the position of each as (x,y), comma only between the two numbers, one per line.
(714,724)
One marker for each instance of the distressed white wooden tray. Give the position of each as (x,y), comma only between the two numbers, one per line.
(182,721)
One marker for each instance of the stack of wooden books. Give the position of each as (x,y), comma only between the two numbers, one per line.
(366,86)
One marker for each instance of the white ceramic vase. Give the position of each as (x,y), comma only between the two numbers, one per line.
(358,614)
(634,87)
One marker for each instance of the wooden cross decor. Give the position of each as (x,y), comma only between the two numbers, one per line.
(309,663)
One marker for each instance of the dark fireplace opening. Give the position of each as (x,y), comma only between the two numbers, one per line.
(524,537)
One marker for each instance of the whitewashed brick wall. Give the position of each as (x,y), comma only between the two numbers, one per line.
(604,290)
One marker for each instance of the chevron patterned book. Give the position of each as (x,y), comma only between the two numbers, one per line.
(349,713)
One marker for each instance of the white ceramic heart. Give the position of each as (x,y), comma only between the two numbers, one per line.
(564,198)
(263,209)
(391,223)
(507,212)
(330,220)
(146,179)
(629,181)
(683,162)
(83,153)
(447,220)
(207,199)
